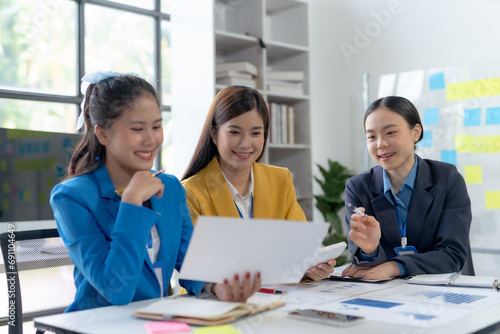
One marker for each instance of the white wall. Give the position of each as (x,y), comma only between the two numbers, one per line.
(400,35)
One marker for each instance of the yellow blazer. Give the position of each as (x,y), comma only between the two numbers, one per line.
(208,194)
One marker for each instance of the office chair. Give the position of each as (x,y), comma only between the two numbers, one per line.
(37,263)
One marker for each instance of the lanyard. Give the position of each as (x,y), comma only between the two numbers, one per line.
(251,208)
(402,226)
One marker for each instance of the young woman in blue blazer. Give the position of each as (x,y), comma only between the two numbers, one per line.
(414,214)
(125,245)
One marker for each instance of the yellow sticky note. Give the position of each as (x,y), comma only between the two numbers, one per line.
(42,198)
(27,195)
(221,329)
(6,188)
(492,199)
(472,89)
(5,204)
(3,165)
(473,174)
(463,143)
(49,182)
(493,144)
(479,144)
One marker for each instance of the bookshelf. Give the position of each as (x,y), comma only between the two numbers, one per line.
(273,35)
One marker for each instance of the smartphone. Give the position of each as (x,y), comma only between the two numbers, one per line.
(329,318)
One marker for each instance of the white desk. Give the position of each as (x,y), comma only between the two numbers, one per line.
(118,319)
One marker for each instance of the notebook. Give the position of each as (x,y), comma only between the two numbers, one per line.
(196,311)
(455,279)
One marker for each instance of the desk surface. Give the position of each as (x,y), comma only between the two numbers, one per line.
(118,319)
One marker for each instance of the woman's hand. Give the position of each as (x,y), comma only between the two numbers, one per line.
(321,270)
(237,292)
(365,232)
(382,271)
(142,187)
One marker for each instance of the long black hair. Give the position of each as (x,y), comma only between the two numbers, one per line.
(230,102)
(105,102)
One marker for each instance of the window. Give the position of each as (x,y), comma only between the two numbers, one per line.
(47,46)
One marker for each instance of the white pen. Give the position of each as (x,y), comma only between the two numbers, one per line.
(355,209)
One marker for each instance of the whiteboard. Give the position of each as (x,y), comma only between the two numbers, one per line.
(460,111)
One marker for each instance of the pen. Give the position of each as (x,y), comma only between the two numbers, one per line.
(355,209)
(273,291)
(120,190)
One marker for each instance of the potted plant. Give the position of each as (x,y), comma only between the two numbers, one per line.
(333,185)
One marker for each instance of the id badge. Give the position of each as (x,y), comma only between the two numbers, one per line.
(405,251)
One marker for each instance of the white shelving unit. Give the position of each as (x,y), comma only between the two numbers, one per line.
(240,27)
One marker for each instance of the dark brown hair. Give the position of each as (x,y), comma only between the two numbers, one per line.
(105,102)
(229,103)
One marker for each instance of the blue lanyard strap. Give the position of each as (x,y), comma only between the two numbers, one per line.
(251,208)
(402,226)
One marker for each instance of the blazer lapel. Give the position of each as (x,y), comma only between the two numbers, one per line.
(107,191)
(262,196)
(219,191)
(420,203)
(386,215)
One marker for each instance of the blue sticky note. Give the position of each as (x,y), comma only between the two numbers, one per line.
(436,81)
(472,117)
(449,157)
(427,140)
(493,116)
(431,116)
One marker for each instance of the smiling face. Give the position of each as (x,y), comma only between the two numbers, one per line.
(133,140)
(390,141)
(240,142)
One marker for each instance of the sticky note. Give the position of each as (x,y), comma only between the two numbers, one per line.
(42,198)
(463,143)
(473,174)
(449,157)
(492,116)
(3,165)
(427,140)
(158,327)
(6,188)
(492,199)
(49,182)
(431,116)
(5,204)
(471,89)
(479,144)
(436,81)
(27,195)
(493,144)
(472,117)
(20,194)
(221,329)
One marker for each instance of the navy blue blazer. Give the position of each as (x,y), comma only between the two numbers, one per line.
(439,218)
(106,239)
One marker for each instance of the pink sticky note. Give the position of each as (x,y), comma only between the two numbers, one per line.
(159,327)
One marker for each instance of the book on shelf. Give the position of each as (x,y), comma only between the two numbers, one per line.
(283,89)
(237,81)
(285,75)
(196,311)
(456,279)
(232,74)
(282,129)
(238,66)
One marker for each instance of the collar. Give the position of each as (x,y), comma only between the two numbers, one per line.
(409,181)
(234,193)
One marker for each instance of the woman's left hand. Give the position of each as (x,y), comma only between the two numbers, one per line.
(236,291)
(321,270)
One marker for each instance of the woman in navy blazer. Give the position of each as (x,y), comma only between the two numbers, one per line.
(125,243)
(418,212)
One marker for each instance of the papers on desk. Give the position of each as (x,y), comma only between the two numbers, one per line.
(455,279)
(281,251)
(197,311)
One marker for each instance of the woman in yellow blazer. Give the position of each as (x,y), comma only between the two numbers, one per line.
(224,177)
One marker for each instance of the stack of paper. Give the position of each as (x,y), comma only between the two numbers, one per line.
(286,82)
(236,73)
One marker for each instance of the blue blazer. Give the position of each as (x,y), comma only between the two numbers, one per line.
(439,218)
(106,239)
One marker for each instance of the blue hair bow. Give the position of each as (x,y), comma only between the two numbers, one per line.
(95,77)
